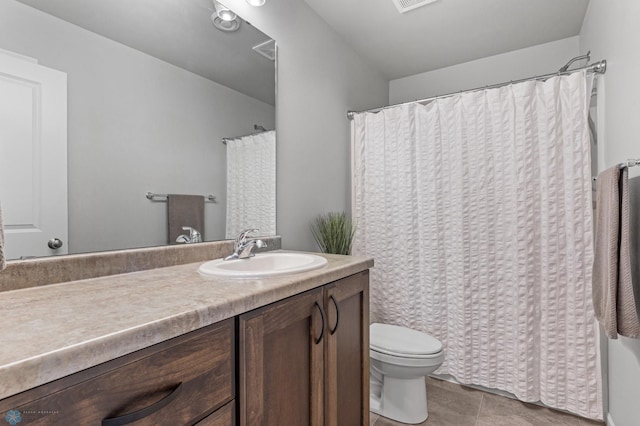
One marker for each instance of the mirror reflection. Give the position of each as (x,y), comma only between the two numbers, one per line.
(102,103)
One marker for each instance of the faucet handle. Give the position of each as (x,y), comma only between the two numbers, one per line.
(242,237)
(194,234)
(242,249)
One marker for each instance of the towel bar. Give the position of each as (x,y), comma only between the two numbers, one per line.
(629,163)
(163,197)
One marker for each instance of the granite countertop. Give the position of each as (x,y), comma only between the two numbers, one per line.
(56,330)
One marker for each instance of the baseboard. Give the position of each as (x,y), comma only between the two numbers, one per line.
(610,420)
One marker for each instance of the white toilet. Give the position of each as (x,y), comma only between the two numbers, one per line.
(400,359)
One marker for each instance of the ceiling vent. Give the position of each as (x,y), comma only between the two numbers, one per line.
(407,5)
(267,49)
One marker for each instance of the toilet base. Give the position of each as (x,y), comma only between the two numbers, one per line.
(402,400)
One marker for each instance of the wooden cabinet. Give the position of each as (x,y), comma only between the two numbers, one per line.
(180,381)
(225,416)
(301,361)
(305,360)
(281,360)
(347,351)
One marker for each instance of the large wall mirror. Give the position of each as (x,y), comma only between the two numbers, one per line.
(140,96)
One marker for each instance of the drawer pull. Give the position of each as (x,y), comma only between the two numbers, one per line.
(323,321)
(140,414)
(335,304)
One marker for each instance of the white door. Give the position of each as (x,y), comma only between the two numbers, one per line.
(33,157)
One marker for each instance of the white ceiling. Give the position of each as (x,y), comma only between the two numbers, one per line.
(179,32)
(447,32)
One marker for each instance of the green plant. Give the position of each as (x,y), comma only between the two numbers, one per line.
(333,232)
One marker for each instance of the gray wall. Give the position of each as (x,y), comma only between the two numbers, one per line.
(319,79)
(611,32)
(136,124)
(537,60)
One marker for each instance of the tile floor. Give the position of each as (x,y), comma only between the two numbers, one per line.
(454,405)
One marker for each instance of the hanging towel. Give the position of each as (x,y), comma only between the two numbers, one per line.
(613,298)
(3,263)
(184,210)
(634,236)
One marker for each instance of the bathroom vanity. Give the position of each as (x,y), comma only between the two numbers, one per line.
(169,346)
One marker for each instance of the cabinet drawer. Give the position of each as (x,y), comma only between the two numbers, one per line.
(225,416)
(185,379)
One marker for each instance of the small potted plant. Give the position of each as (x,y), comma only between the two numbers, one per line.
(333,232)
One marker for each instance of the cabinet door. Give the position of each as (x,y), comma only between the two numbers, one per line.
(347,351)
(281,362)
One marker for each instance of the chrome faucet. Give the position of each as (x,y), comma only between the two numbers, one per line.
(242,247)
(194,236)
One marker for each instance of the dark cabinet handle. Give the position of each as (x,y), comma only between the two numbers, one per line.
(141,414)
(323,321)
(333,330)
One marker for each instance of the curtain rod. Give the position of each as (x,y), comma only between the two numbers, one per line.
(598,68)
(225,140)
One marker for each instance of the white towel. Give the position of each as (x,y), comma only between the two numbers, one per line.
(3,263)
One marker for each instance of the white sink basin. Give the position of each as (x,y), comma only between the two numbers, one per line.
(263,265)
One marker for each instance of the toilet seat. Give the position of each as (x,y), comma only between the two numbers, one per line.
(408,361)
(402,342)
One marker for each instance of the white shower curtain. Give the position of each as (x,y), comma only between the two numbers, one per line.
(251,184)
(477,210)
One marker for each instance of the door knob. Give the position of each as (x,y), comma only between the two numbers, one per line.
(55,243)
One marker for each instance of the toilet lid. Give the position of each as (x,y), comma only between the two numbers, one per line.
(402,341)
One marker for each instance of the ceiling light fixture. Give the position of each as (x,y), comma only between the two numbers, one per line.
(226,26)
(224,12)
(256,2)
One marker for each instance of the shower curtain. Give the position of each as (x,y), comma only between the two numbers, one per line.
(477,210)
(251,184)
